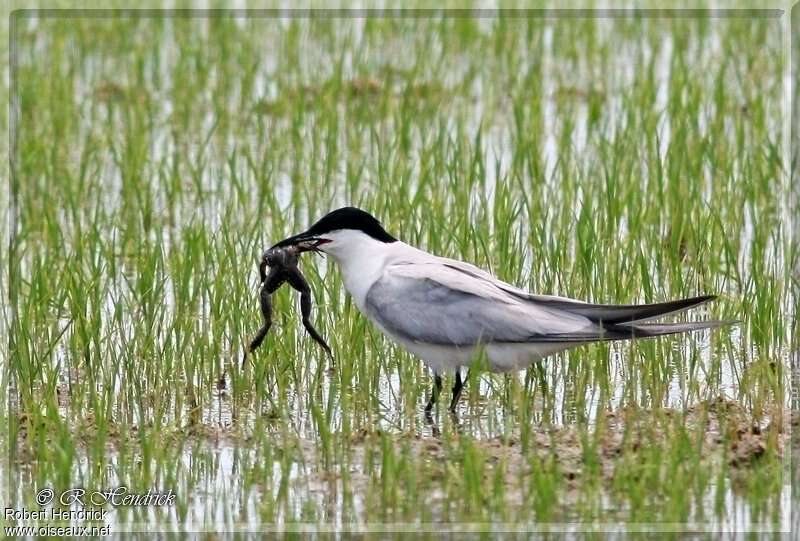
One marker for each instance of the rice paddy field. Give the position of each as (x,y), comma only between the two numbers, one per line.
(609,156)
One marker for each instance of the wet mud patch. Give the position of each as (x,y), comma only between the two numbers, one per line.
(660,451)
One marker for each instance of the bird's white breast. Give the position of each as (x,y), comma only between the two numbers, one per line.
(361,260)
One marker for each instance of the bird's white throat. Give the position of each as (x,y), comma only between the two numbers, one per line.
(361,260)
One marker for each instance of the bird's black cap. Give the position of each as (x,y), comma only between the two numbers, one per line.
(343,218)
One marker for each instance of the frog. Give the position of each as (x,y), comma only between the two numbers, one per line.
(279,265)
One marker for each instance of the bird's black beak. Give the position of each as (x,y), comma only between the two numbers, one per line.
(303,241)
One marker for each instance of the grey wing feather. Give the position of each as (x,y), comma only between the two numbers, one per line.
(620,313)
(605,313)
(443,301)
(646,330)
(435,305)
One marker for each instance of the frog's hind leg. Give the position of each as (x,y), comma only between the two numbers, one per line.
(299,283)
(266,313)
(305,309)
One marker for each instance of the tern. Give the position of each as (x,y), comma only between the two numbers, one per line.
(444,311)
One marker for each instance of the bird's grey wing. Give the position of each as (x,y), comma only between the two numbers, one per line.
(620,314)
(605,313)
(431,303)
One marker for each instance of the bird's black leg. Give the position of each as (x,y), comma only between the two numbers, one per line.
(437,388)
(457,386)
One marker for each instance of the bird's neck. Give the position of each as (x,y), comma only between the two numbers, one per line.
(362,264)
